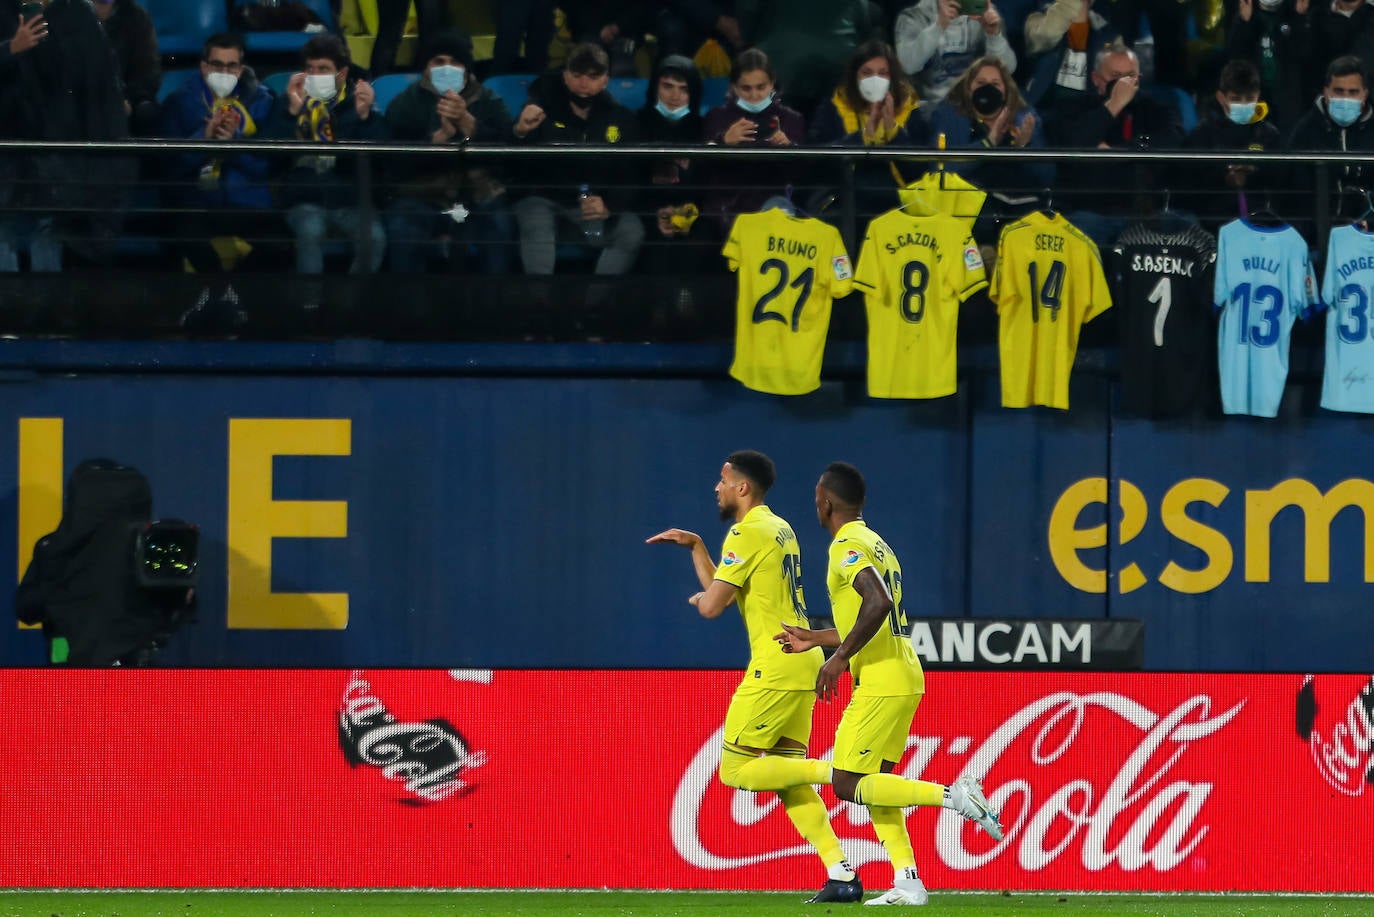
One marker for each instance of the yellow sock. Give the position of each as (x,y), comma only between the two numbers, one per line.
(891,790)
(747,771)
(803,805)
(889,824)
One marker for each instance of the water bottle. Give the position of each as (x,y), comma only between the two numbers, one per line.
(593,230)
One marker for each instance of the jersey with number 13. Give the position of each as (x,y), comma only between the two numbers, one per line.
(1264,282)
(789,268)
(1047,284)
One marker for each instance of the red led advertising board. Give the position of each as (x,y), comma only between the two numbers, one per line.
(589,779)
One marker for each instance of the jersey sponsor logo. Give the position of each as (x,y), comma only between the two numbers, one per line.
(850,558)
(730,559)
(972,259)
(840,265)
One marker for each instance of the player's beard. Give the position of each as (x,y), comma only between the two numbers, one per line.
(727,512)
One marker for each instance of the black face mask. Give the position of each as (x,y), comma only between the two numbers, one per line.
(987,99)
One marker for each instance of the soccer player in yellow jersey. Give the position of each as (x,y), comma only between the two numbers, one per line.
(768,724)
(870,639)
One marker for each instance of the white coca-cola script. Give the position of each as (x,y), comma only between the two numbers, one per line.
(1164,816)
(1345,759)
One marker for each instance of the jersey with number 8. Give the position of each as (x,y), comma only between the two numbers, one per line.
(789,270)
(1047,284)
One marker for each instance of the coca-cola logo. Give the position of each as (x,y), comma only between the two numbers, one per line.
(429,757)
(1134,813)
(1344,752)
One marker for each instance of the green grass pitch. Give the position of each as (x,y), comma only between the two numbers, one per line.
(646,904)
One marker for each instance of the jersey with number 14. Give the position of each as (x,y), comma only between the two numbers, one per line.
(1264,282)
(914,272)
(1047,284)
(789,269)
(1347,289)
(887,665)
(761,558)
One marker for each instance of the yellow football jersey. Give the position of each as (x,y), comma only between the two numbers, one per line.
(1047,284)
(914,272)
(887,665)
(789,270)
(762,559)
(949,193)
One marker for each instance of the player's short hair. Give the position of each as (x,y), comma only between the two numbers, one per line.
(1239,77)
(1349,65)
(1112,49)
(755,466)
(328,47)
(846,482)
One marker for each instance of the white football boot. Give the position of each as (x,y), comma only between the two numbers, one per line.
(966,797)
(908,891)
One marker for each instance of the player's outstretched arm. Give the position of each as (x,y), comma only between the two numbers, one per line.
(800,639)
(702,564)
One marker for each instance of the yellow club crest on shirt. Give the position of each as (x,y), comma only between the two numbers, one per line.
(613,134)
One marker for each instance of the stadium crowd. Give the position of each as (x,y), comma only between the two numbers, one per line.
(934,74)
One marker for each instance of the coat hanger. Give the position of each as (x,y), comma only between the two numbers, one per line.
(1265,215)
(1048,208)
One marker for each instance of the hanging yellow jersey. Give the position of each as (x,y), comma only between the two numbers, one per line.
(887,665)
(762,560)
(1047,284)
(944,192)
(914,271)
(790,268)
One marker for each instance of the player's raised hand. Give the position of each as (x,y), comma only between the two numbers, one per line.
(531,116)
(676,536)
(363,99)
(796,639)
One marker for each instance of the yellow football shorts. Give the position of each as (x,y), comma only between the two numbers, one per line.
(873,730)
(761,717)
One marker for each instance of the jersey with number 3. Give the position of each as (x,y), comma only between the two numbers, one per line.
(790,268)
(914,272)
(887,664)
(1264,282)
(1347,290)
(761,558)
(1047,284)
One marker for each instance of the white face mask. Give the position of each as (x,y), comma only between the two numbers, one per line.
(874,88)
(447,76)
(321,86)
(221,84)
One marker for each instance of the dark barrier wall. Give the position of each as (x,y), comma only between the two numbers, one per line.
(432,520)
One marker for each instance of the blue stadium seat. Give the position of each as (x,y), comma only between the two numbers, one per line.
(1177,99)
(279,42)
(513,88)
(172,80)
(276,82)
(713,90)
(629,91)
(183,25)
(390,86)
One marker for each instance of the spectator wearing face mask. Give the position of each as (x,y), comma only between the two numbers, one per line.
(680,242)
(320,192)
(875,106)
(1276,36)
(1236,120)
(984,111)
(450,107)
(936,42)
(1340,119)
(226,196)
(1117,116)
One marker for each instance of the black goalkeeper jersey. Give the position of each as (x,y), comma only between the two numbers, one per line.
(1163,287)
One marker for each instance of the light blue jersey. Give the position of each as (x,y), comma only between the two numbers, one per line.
(1264,282)
(1347,290)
